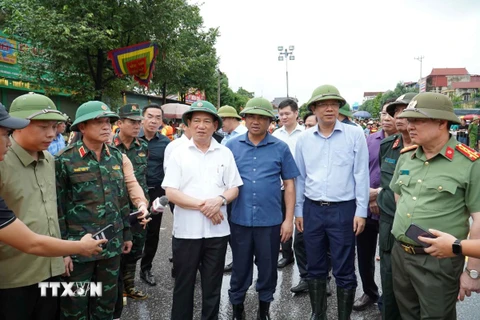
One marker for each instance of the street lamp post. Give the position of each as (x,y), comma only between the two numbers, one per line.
(420,58)
(288,54)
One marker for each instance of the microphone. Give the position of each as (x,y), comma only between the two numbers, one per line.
(158,205)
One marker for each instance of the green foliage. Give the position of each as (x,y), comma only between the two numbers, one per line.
(374,106)
(303,110)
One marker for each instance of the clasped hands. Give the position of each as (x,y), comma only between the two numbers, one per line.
(211,209)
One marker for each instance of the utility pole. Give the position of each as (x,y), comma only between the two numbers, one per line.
(288,53)
(420,58)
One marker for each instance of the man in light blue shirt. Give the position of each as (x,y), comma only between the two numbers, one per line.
(59,142)
(332,195)
(231,123)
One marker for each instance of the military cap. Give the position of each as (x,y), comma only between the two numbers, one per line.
(326,92)
(34,106)
(430,105)
(92,110)
(345,110)
(202,106)
(228,112)
(404,99)
(260,106)
(130,111)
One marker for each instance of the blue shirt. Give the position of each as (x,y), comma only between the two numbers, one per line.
(333,168)
(57,144)
(241,129)
(156,152)
(259,200)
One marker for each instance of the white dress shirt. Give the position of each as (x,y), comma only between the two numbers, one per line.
(172,146)
(202,176)
(289,138)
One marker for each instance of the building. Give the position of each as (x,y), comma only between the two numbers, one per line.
(371,95)
(454,82)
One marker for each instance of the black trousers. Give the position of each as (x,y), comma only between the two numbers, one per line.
(25,303)
(153,232)
(366,249)
(190,255)
(287,251)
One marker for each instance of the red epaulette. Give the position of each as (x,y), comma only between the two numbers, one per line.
(410,148)
(82,151)
(396,143)
(467,152)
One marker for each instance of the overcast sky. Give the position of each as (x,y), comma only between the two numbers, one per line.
(357,46)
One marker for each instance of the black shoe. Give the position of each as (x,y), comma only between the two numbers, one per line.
(238,311)
(302,286)
(263,310)
(228,267)
(147,276)
(170,259)
(282,263)
(363,302)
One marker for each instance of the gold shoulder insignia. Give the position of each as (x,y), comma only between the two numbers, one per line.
(116,167)
(411,148)
(467,152)
(142,154)
(81,169)
(82,151)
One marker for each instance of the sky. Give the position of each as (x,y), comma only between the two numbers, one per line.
(357,46)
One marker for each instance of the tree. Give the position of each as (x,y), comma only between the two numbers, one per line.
(74,41)
(374,106)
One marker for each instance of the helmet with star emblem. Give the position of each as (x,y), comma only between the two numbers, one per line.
(202,106)
(404,99)
(430,105)
(130,111)
(34,106)
(92,110)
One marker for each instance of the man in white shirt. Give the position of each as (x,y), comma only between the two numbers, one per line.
(186,136)
(231,123)
(289,133)
(202,177)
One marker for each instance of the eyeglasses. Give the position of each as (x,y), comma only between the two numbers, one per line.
(44,111)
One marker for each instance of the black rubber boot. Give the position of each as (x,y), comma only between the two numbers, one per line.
(263,310)
(345,299)
(317,290)
(238,312)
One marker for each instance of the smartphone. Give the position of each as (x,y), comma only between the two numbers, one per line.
(136,213)
(414,231)
(106,233)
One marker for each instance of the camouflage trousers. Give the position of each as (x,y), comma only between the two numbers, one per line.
(130,259)
(92,308)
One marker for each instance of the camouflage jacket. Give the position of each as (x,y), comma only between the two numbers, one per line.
(92,194)
(138,154)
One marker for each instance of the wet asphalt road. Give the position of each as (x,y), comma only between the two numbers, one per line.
(286,305)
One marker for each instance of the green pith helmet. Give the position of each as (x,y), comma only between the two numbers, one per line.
(326,92)
(403,99)
(345,110)
(260,106)
(228,112)
(92,110)
(34,106)
(202,106)
(430,105)
(130,111)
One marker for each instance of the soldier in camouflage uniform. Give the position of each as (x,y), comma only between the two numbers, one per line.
(137,151)
(92,193)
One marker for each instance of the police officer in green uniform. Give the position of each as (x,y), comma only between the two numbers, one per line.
(436,186)
(136,150)
(389,153)
(92,195)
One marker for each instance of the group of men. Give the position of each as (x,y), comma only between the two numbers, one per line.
(327,185)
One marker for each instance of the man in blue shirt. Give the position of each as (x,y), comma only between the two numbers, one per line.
(59,142)
(256,224)
(332,199)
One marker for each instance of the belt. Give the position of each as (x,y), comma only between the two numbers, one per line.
(325,203)
(411,249)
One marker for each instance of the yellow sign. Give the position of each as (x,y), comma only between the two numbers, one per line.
(8,51)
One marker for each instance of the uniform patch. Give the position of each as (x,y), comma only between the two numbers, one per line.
(405,172)
(82,151)
(142,154)
(449,153)
(390,160)
(107,150)
(105,108)
(406,149)
(116,167)
(467,152)
(81,169)
(117,141)
(396,143)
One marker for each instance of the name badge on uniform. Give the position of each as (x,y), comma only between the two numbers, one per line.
(390,160)
(405,172)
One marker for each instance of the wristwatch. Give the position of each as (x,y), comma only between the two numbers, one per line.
(224,200)
(472,273)
(457,247)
